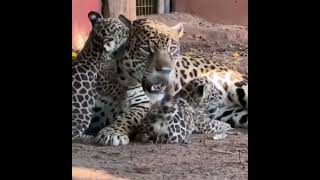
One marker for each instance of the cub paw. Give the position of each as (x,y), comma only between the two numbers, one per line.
(220,136)
(109,136)
(79,137)
(76,133)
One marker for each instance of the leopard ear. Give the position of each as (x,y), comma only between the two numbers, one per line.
(200,90)
(125,21)
(179,29)
(94,17)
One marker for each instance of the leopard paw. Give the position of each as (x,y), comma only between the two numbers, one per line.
(109,136)
(76,133)
(220,136)
(79,137)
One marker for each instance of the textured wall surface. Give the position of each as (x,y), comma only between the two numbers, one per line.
(216,11)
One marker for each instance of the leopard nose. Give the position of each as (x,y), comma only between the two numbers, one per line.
(164,70)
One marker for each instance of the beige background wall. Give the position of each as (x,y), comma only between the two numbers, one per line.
(125,7)
(216,11)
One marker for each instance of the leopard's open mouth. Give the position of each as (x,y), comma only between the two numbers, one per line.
(156,88)
(154,91)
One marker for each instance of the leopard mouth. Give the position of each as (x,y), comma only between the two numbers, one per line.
(155,88)
(155,92)
(159,88)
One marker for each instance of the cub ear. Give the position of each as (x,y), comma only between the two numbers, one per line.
(94,17)
(125,21)
(200,90)
(179,29)
(110,46)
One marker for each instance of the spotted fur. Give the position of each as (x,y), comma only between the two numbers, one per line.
(101,103)
(175,118)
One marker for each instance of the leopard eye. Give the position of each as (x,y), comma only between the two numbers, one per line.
(174,52)
(103,32)
(109,39)
(172,49)
(145,49)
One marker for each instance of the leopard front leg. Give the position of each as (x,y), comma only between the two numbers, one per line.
(118,132)
(125,124)
(83,99)
(81,117)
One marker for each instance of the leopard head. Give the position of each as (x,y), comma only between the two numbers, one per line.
(107,34)
(153,50)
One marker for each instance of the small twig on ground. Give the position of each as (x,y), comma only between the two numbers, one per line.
(157,139)
(223,152)
(204,139)
(189,159)
(132,152)
(173,171)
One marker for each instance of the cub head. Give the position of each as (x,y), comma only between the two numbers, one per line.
(107,34)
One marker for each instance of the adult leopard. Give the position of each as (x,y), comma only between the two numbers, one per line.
(153,57)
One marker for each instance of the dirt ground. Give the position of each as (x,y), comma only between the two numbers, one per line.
(204,158)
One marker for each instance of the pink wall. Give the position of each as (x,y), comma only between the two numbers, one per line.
(80,23)
(216,11)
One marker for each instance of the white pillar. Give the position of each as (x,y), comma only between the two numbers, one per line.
(160,6)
